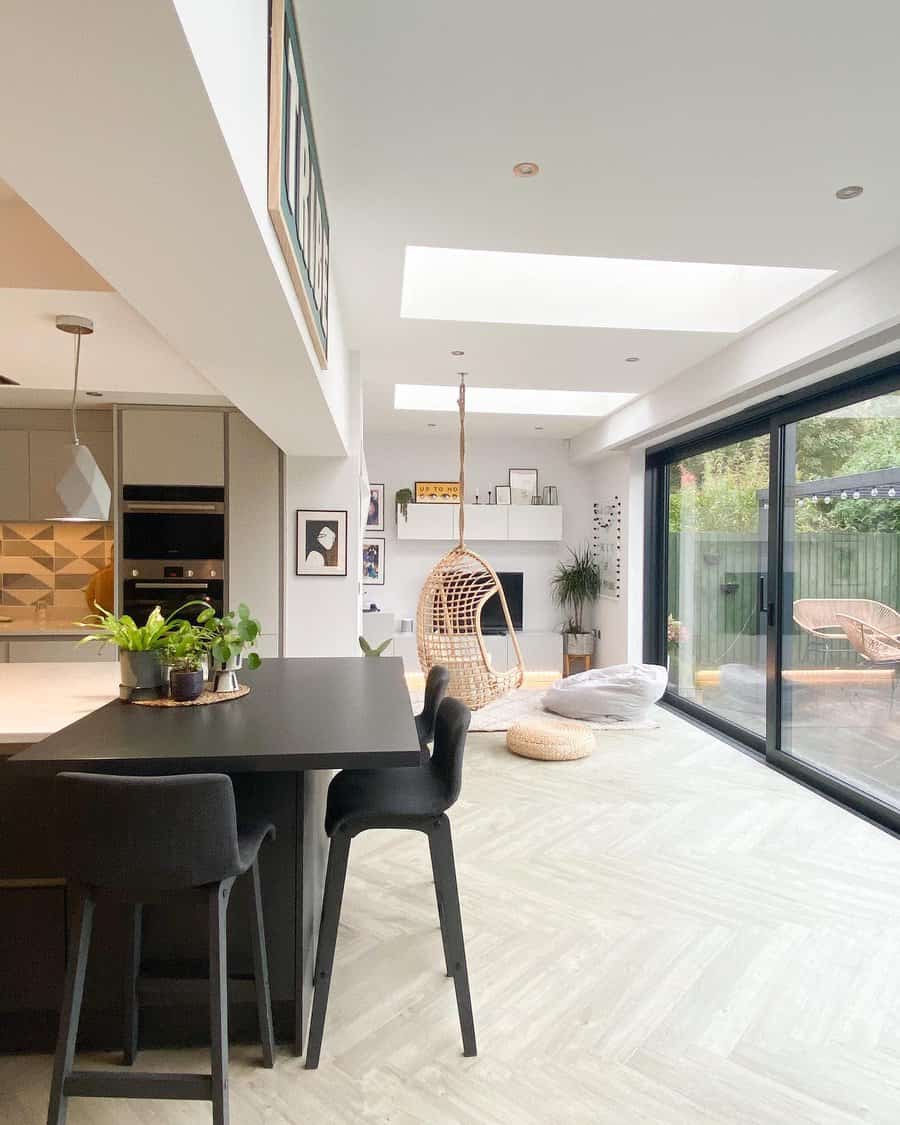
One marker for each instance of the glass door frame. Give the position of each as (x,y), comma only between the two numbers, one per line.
(882,376)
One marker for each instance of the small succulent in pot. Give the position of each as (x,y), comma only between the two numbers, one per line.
(231,635)
(185,655)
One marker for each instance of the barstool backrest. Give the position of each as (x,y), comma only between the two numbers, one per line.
(159,833)
(450,733)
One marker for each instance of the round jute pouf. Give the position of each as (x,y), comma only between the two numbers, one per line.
(550,739)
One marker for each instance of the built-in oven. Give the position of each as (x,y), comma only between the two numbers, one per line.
(173,549)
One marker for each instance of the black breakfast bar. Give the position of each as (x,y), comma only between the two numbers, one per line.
(302,719)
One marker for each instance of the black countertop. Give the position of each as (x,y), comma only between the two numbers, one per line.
(302,713)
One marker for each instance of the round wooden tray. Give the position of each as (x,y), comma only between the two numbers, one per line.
(206,697)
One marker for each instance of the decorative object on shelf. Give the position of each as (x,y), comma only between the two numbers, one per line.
(82,491)
(375,518)
(550,494)
(296,199)
(523,485)
(503,493)
(403,497)
(406,624)
(448,617)
(490,501)
(321,542)
(368,650)
(373,561)
(476,498)
(203,699)
(230,637)
(438,492)
(607,544)
(537,501)
(573,584)
(141,647)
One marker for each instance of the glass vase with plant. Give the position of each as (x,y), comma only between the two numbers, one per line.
(573,584)
(231,637)
(140,646)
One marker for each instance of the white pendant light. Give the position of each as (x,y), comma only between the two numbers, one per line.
(82,491)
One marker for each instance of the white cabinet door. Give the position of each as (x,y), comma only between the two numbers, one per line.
(541,652)
(483,521)
(173,447)
(43,452)
(427,521)
(535,522)
(254,508)
(14,475)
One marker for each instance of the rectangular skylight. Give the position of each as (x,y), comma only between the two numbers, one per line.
(497,287)
(508,400)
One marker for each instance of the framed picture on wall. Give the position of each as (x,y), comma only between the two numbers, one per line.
(523,484)
(375,518)
(373,561)
(437,491)
(321,542)
(502,494)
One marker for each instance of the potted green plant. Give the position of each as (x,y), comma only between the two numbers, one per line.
(185,656)
(403,497)
(231,636)
(368,650)
(573,584)
(140,646)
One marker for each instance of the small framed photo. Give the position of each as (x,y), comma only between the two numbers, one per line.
(503,494)
(375,518)
(373,561)
(321,542)
(523,484)
(437,491)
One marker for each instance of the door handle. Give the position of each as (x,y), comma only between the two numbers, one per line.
(761,606)
(162,587)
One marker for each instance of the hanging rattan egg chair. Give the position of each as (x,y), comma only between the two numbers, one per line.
(448,620)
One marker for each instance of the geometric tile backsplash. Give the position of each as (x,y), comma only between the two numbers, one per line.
(51,563)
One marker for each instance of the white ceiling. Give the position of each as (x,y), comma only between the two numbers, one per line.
(689,132)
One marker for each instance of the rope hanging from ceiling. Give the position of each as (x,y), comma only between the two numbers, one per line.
(448,620)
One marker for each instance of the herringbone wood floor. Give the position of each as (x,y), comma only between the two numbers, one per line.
(665,933)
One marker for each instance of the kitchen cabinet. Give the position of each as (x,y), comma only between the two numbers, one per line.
(60,650)
(254,522)
(173,447)
(43,450)
(14,474)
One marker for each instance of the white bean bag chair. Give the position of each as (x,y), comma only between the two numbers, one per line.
(624,691)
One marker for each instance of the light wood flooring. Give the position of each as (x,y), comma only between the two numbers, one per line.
(667,932)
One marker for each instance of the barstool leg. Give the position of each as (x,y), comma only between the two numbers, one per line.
(132,972)
(445,879)
(261,971)
(338,853)
(218,998)
(71,1008)
(440,908)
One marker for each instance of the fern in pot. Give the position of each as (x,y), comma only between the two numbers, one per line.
(575,583)
(231,636)
(141,647)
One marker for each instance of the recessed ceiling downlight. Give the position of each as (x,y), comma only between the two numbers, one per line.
(457,351)
(632,359)
(851,191)
(526,169)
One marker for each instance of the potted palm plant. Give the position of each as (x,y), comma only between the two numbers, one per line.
(141,647)
(575,583)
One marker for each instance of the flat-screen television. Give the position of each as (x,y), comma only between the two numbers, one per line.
(492,619)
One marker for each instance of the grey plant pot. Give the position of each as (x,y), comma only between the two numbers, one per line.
(185,686)
(578,644)
(140,675)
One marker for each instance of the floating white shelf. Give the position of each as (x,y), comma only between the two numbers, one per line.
(487,522)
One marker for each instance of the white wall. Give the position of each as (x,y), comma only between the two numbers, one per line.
(399,460)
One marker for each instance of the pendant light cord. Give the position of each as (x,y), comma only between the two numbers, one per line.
(75,388)
(462,458)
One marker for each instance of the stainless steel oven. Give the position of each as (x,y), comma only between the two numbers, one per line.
(173,548)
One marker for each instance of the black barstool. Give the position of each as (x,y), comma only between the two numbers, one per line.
(148,839)
(417,799)
(436,687)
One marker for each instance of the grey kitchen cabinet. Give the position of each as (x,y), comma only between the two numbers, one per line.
(254,519)
(31,650)
(43,450)
(14,475)
(173,447)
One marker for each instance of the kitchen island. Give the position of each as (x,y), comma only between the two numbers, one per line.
(302,719)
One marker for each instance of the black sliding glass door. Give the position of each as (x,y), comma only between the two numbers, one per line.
(772,588)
